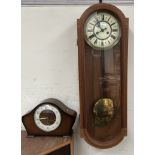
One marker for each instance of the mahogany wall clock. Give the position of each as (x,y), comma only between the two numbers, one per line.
(102,49)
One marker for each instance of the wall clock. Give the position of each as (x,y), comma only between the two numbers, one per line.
(102,50)
(49,118)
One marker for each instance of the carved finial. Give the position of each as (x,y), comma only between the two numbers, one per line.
(100,1)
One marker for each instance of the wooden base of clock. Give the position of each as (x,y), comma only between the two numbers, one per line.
(46,145)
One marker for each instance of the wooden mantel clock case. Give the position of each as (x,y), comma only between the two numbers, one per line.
(50,118)
(102,49)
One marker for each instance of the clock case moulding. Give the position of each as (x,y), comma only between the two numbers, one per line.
(68,117)
(114,133)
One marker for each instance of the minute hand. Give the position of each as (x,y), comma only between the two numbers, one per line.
(103,29)
(42,118)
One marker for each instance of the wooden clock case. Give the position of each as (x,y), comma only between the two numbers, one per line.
(93,85)
(68,117)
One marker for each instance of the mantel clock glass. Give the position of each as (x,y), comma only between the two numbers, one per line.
(102,49)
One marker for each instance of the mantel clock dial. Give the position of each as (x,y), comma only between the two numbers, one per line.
(102,53)
(47,117)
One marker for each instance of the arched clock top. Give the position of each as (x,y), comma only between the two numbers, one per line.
(106,8)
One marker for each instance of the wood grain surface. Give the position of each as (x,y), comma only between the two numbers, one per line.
(46,145)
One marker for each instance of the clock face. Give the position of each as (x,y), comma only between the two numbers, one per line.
(102,31)
(47,117)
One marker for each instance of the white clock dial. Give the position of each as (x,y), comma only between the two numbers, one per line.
(102,31)
(47,117)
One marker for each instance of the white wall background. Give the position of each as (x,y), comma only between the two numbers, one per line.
(50,66)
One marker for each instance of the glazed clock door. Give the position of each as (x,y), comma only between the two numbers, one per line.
(102,47)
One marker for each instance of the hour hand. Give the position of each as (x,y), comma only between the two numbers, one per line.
(103,29)
(98,32)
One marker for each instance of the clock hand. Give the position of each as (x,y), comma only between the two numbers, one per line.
(42,118)
(98,32)
(103,29)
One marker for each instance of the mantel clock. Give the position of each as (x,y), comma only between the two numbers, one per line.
(49,118)
(102,53)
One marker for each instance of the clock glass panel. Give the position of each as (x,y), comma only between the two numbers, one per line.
(103,93)
(102,30)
